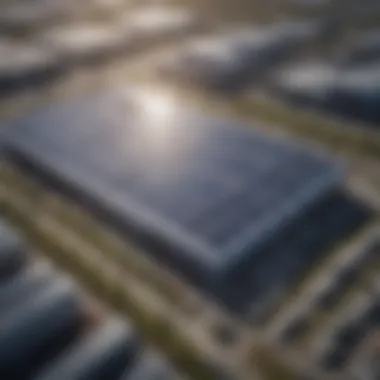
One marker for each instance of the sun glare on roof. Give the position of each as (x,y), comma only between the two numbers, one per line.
(158,108)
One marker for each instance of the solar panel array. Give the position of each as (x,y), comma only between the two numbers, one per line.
(198,184)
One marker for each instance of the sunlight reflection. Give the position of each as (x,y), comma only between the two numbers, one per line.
(157,112)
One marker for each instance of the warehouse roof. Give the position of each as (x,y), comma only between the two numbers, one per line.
(364,80)
(313,78)
(153,19)
(364,50)
(83,40)
(209,190)
(236,56)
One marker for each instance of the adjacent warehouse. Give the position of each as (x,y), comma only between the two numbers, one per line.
(351,92)
(237,57)
(159,22)
(307,84)
(365,50)
(357,93)
(25,64)
(84,43)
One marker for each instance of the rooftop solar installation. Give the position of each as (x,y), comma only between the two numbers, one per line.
(205,190)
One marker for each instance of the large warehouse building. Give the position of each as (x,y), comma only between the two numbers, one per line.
(238,57)
(352,93)
(219,203)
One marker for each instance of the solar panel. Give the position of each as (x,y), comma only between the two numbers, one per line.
(206,191)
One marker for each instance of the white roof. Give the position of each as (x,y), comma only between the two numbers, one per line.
(16,56)
(81,38)
(362,79)
(158,19)
(29,12)
(212,48)
(316,77)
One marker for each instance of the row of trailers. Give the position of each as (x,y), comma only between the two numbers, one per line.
(48,331)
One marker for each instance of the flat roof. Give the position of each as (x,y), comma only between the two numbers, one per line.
(21,58)
(207,190)
(148,20)
(237,55)
(363,80)
(309,78)
(83,39)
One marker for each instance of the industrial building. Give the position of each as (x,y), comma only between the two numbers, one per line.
(84,43)
(237,57)
(236,253)
(205,197)
(24,64)
(23,14)
(352,93)
(357,93)
(307,84)
(159,22)
(365,50)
